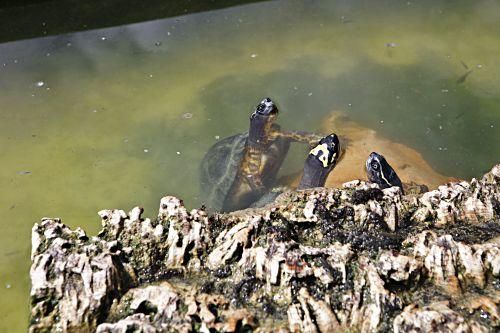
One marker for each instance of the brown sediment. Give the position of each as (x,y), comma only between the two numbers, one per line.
(361,141)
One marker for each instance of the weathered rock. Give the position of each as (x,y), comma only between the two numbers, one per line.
(168,308)
(455,265)
(137,323)
(437,317)
(73,279)
(318,260)
(300,316)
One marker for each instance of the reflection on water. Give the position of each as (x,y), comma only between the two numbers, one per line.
(118,117)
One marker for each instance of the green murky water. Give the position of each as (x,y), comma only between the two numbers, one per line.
(118,117)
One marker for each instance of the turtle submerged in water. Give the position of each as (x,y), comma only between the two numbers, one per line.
(319,163)
(360,141)
(380,172)
(238,170)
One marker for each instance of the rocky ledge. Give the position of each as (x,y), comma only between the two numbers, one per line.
(355,259)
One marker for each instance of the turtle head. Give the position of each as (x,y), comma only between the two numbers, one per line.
(380,172)
(266,107)
(262,120)
(320,161)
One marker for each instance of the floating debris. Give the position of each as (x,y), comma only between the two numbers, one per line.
(24,172)
(253,55)
(345,20)
(158,43)
(178,152)
(187,115)
(462,78)
(218,137)
(40,84)
(7,286)
(146,150)
(103,38)
(388,47)
(310,94)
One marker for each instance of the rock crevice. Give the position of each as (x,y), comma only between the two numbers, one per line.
(318,260)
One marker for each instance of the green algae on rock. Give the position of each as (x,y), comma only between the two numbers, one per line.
(319,260)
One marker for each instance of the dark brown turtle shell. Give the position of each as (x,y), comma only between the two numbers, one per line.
(221,163)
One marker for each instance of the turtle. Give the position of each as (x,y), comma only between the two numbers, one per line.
(320,161)
(380,172)
(238,170)
(357,144)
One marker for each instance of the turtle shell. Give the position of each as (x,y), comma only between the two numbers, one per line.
(268,197)
(220,166)
(361,141)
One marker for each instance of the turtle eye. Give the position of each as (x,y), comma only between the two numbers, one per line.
(374,166)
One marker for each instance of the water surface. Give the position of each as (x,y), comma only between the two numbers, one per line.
(119,117)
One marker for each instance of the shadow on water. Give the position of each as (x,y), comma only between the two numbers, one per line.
(412,104)
(442,127)
(20,19)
